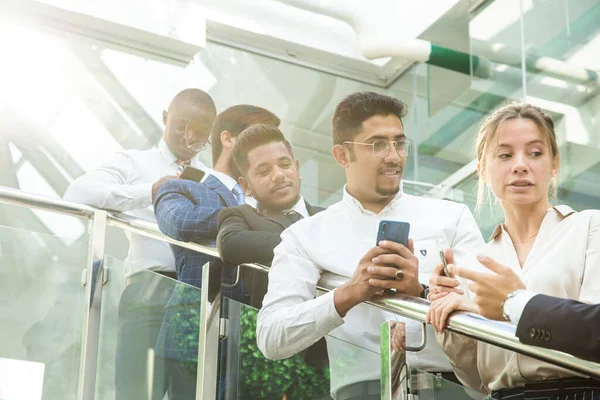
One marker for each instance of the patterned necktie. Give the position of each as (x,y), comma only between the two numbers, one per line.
(239,194)
(294,216)
(182,165)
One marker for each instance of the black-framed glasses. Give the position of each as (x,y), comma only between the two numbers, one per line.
(192,143)
(381,147)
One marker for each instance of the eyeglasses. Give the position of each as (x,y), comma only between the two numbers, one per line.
(381,147)
(194,144)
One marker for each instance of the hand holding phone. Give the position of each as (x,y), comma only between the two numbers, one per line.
(394,231)
(406,270)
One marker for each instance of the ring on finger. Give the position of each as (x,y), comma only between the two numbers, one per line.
(399,275)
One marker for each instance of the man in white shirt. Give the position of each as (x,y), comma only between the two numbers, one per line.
(126,184)
(544,321)
(371,146)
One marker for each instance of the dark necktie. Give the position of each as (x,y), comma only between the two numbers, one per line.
(294,216)
(239,194)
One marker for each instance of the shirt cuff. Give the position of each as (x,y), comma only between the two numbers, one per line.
(514,306)
(143,192)
(326,316)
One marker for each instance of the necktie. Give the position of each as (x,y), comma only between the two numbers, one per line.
(239,194)
(294,216)
(182,165)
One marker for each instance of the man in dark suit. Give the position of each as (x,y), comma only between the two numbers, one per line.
(544,321)
(270,175)
(187,211)
(247,234)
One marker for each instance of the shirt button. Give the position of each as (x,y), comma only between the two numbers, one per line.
(513,370)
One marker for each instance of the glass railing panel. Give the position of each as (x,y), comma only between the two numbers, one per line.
(149,329)
(41,308)
(311,374)
(427,386)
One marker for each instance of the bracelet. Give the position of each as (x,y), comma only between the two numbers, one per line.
(505,316)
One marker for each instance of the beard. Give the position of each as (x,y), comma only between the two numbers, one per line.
(387,192)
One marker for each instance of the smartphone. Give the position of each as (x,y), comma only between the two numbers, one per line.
(394,231)
(443,258)
(192,174)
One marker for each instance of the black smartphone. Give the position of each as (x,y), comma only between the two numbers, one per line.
(192,174)
(394,231)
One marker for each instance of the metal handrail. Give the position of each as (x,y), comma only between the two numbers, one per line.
(472,325)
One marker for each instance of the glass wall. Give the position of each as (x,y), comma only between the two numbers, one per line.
(69,103)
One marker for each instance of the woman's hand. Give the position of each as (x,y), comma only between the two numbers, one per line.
(439,284)
(491,289)
(440,310)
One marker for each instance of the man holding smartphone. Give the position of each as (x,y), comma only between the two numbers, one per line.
(128,183)
(371,145)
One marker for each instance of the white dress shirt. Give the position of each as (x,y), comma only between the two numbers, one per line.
(514,306)
(125,184)
(334,240)
(299,207)
(563,262)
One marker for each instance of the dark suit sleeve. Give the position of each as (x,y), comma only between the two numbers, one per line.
(239,244)
(560,324)
(187,210)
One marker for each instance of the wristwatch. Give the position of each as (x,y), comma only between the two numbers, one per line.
(505,316)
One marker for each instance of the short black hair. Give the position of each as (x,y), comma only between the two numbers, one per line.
(255,136)
(234,120)
(354,109)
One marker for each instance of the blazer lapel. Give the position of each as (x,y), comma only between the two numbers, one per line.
(312,210)
(217,186)
(278,217)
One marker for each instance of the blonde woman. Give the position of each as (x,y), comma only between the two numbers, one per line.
(554,251)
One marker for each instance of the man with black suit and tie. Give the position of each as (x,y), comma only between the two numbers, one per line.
(544,321)
(272,177)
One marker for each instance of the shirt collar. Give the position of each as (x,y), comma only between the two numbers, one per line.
(563,210)
(225,179)
(299,207)
(349,200)
(166,153)
(171,159)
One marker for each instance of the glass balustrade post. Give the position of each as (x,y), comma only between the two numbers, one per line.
(94,276)
(394,371)
(208,341)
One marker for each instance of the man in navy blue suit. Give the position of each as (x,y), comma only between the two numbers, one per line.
(187,211)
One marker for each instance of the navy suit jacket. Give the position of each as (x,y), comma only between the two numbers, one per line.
(187,211)
(561,324)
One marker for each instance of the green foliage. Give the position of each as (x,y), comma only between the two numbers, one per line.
(265,379)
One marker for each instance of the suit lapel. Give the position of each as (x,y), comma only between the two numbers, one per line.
(216,185)
(278,217)
(312,210)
